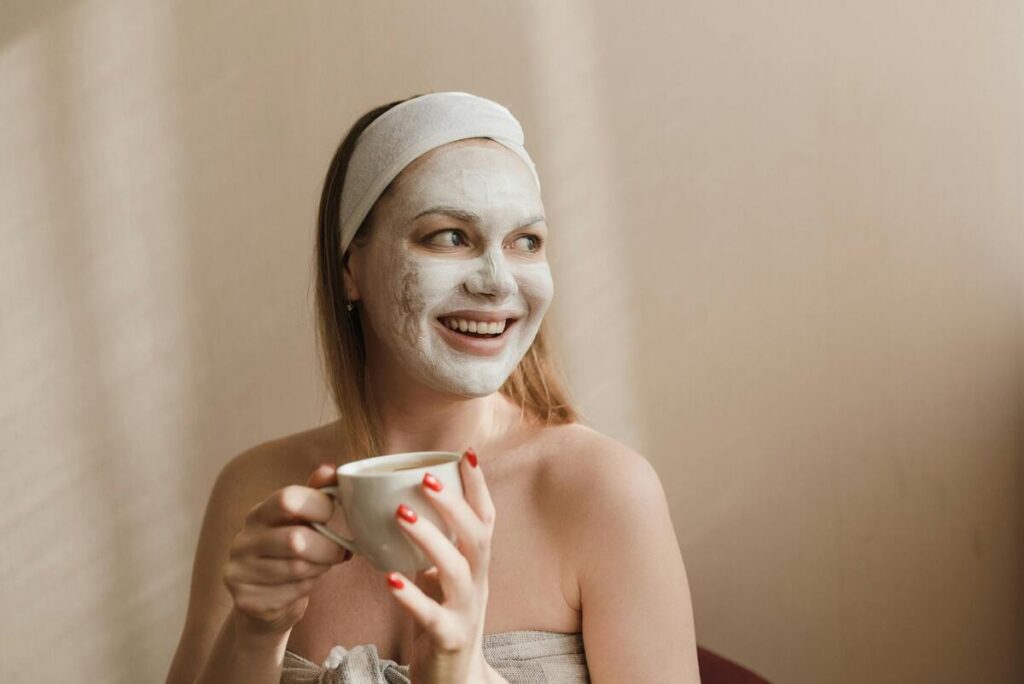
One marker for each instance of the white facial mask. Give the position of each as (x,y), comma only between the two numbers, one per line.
(412,274)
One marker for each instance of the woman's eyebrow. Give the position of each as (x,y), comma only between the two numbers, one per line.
(454,212)
(471,217)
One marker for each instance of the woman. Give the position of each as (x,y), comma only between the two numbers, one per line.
(433,282)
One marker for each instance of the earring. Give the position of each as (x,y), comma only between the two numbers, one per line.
(349,306)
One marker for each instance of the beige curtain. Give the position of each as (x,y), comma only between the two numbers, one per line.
(787,240)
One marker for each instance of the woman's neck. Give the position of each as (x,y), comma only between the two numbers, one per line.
(418,418)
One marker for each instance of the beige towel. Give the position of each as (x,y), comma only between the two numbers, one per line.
(521,657)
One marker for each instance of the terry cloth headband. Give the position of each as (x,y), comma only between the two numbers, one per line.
(407,130)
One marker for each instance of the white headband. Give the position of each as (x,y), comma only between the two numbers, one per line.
(407,130)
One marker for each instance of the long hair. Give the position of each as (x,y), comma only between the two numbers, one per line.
(537,384)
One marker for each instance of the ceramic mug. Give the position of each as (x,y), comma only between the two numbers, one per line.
(369,492)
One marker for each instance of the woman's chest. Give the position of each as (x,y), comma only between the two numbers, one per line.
(528,583)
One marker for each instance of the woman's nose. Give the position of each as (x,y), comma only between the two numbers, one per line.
(492,277)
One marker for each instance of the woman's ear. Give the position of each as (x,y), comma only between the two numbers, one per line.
(349,268)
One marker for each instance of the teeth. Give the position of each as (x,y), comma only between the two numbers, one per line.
(478,327)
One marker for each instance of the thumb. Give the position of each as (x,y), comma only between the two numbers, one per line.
(323,475)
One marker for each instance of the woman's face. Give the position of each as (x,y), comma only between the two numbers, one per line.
(458,243)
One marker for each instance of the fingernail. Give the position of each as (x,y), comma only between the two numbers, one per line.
(471,456)
(406,513)
(432,482)
(395,581)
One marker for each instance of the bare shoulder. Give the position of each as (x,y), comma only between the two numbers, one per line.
(581,462)
(270,465)
(595,488)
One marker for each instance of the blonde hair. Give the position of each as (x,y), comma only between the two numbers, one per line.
(537,384)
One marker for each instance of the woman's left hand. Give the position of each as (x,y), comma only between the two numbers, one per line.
(447,648)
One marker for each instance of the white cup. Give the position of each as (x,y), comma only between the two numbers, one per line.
(369,492)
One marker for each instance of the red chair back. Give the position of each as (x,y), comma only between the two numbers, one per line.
(715,669)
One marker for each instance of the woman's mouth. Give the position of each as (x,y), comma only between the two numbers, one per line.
(483,338)
(476,328)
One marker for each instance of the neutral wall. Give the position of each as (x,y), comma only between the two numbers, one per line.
(787,240)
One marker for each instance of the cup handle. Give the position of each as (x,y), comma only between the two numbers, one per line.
(349,544)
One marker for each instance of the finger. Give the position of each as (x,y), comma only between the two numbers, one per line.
(428,613)
(255,598)
(324,475)
(474,488)
(292,541)
(453,569)
(266,571)
(473,537)
(291,504)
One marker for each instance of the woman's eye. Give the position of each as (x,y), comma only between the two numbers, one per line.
(533,245)
(447,238)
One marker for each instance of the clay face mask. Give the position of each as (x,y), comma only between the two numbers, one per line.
(417,269)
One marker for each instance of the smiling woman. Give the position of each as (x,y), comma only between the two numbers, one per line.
(425,207)
(402,283)
(433,285)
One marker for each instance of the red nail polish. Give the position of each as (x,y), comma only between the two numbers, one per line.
(395,581)
(432,482)
(406,513)
(471,456)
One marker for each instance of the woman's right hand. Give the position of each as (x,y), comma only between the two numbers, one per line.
(276,558)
